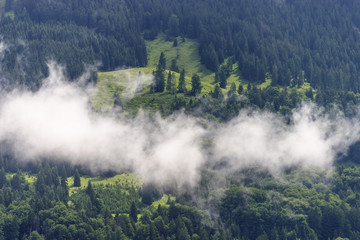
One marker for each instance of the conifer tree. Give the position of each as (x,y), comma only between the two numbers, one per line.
(217,94)
(196,85)
(77,181)
(159,74)
(133,212)
(3,179)
(182,85)
(240,89)
(169,82)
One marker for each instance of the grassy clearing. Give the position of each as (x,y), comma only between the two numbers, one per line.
(186,54)
(30,178)
(123,180)
(9,176)
(122,81)
(163,201)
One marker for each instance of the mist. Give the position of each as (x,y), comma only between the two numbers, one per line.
(57,122)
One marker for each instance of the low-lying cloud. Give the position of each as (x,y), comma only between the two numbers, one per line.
(57,122)
(313,139)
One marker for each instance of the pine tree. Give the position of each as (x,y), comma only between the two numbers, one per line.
(90,191)
(240,89)
(159,74)
(169,82)
(77,180)
(217,94)
(196,85)
(3,179)
(162,62)
(15,182)
(222,78)
(174,66)
(133,212)
(182,85)
(173,83)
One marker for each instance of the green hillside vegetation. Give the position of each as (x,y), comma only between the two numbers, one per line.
(113,82)
(124,181)
(301,205)
(186,55)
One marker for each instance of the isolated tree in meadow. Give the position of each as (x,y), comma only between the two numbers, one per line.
(159,74)
(174,66)
(162,62)
(196,85)
(222,79)
(169,82)
(173,83)
(182,85)
(77,181)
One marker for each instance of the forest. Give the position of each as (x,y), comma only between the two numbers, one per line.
(283,38)
(266,56)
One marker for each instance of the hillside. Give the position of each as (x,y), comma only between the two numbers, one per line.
(180,120)
(282,38)
(123,82)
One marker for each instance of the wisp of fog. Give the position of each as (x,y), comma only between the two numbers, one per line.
(56,122)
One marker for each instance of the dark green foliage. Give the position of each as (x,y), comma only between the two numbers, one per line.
(173,26)
(305,206)
(133,212)
(3,180)
(240,89)
(35,236)
(261,36)
(217,94)
(182,86)
(149,193)
(159,74)
(15,182)
(174,66)
(196,85)
(162,62)
(175,43)
(77,181)
(169,82)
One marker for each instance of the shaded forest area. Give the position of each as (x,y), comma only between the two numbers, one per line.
(52,200)
(283,38)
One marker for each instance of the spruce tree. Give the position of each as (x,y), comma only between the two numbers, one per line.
(217,94)
(169,82)
(182,85)
(3,179)
(133,212)
(90,191)
(196,85)
(240,89)
(159,74)
(174,66)
(77,181)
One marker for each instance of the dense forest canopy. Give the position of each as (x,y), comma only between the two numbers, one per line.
(283,38)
